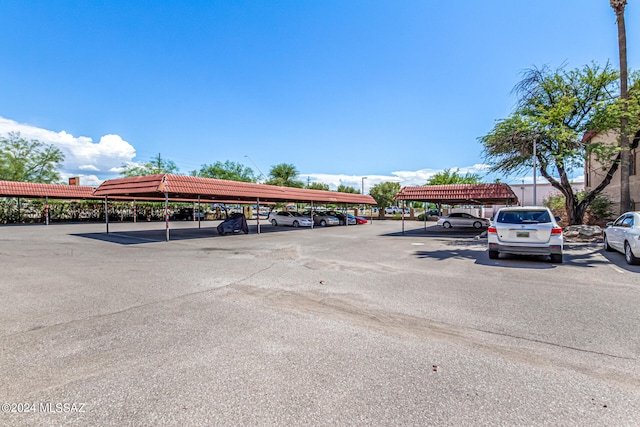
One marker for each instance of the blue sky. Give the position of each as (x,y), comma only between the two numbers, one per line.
(390,90)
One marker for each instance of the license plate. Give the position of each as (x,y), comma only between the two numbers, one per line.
(522,234)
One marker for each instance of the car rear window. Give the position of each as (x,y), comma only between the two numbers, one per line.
(524,217)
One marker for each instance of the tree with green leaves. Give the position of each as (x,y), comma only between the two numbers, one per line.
(448,176)
(554,111)
(229,170)
(318,186)
(346,189)
(157,165)
(29,160)
(383,194)
(284,175)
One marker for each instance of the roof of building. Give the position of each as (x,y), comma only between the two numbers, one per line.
(189,187)
(37,190)
(498,193)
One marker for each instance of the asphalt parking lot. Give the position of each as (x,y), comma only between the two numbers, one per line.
(357,325)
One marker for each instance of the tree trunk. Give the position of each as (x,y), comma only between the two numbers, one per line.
(625,155)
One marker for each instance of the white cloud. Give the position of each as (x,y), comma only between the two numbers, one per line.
(405,178)
(81,153)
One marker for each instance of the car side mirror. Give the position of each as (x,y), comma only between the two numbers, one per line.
(609,224)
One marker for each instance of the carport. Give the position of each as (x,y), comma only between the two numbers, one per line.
(32,190)
(172,187)
(458,194)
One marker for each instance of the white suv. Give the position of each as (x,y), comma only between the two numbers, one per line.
(525,230)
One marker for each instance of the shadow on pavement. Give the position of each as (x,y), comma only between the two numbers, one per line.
(137,237)
(574,255)
(617,259)
(437,231)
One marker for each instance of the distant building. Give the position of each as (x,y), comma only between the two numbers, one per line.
(543,191)
(594,173)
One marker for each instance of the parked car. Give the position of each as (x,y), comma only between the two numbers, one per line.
(322,218)
(294,219)
(525,231)
(359,219)
(461,219)
(186,214)
(623,235)
(351,220)
(390,210)
(234,224)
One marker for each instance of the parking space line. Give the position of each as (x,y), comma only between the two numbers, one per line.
(616,268)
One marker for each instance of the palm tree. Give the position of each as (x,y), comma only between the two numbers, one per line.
(284,175)
(625,155)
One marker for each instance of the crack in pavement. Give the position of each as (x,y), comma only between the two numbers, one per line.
(408,325)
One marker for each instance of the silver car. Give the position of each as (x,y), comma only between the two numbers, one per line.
(461,219)
(322,218)
(623,235)
(525,230)
(294,219)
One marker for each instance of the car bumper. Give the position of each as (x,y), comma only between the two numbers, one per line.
(526,250)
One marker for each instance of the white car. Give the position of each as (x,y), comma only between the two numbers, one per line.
(623,235)
(461,219)
(525,230)
(390,210)
(293,219)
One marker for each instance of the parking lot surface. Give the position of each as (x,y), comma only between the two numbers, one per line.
(357,325)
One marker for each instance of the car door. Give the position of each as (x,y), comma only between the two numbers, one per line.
(454,219)
(615,234)
(627,230)
(466,220)
(285,218)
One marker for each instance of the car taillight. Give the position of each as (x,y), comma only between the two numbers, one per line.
(492,229)
(556,230)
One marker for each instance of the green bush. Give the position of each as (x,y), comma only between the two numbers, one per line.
(599,208)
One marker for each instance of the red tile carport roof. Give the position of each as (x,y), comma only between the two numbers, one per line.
(183,186)
(37,190)
(498,193)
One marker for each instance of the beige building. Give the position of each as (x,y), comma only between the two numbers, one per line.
(595,172)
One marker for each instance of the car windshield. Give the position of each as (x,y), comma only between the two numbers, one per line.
(524,217)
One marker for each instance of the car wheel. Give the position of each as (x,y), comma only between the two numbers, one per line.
(494,254)
(556,258)
(274,222)
(296,224)
(323,223)
(446,225)
(629,256)
(477,224)
(606,244)
(341,222)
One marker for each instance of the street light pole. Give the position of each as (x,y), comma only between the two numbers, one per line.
(254,164)
(535,199)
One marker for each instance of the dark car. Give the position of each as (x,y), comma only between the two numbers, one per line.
(234,224)
(186,214)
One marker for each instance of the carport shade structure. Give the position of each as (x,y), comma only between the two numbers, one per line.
(458,194)
(32,190)
(210,189)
